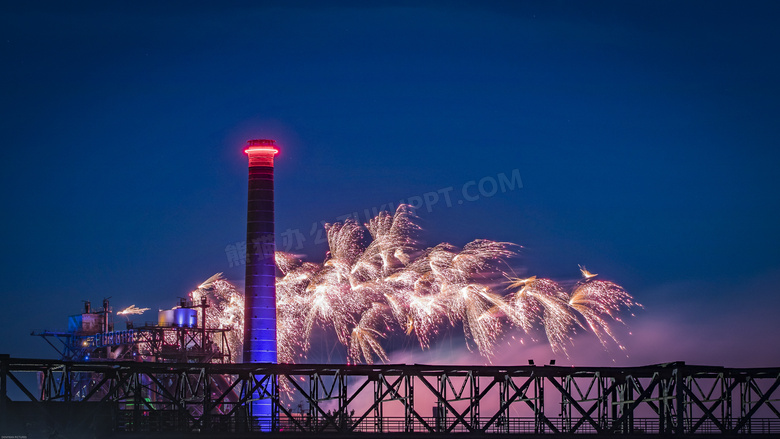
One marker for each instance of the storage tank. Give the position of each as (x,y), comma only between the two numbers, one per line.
(185,317)
(165,317)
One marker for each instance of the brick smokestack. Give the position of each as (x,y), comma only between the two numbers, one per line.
(260,289)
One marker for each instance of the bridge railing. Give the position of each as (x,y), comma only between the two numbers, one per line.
(670,399)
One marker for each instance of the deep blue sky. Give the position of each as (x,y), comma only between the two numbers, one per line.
(645,134)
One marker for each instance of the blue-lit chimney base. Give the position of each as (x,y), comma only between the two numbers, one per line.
(263,415)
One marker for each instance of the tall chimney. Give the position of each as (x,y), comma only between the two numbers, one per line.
(260,289)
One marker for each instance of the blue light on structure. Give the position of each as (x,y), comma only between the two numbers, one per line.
(185,317)
(260,289)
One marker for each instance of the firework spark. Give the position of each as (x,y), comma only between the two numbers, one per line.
(377,281)
(544,302)
(132,310)
(225,311)
(363,340)
(597,300)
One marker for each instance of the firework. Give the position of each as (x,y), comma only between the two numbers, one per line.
(291,305)
(377,282)
(597,300)
(132,310)
(364,343)
(543,302)
(225,311)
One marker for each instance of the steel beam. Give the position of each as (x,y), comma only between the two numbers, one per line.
(670,399)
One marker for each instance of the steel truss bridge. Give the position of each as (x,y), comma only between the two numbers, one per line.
(39,398)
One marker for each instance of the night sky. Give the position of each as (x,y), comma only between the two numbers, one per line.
(645,135)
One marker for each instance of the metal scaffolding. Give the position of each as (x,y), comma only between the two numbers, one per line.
(149,342)
(91,337)
(116,397)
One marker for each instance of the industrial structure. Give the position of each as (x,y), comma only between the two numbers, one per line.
(260,288)
(260,284)
(212,400)
(179,335)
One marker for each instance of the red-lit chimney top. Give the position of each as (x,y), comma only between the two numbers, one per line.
(260,142)
(261,152)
